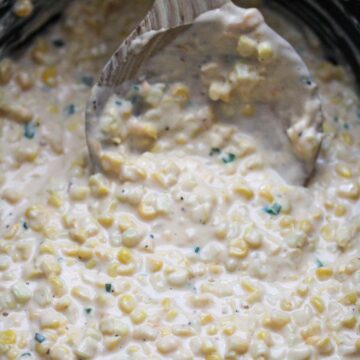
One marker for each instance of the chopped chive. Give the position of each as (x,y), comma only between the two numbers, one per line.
(197,249)
(70,110)
(274,209)
(25,225)
(108,288)
(88,310)
(39,338)
(319,263)
(346,126)
(118,102)
(136,87)
(87,80)
(214,151)
(25,354)
(229,158)
(29,130)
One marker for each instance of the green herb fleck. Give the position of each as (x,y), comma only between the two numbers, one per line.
(346,126)
(319,263)
(136,88)
(25,354)
(25,225)
(214,151)
(87,80)
(197,249)
(229,158)
(29,130)
(108,288)
(274,209)
(88,310)
(118,102)
(39,338)
(70,110)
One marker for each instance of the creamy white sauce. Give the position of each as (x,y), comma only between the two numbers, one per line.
(225,259)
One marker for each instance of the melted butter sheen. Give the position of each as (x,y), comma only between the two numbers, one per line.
(201,250)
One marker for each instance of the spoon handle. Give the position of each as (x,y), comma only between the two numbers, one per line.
(172,13)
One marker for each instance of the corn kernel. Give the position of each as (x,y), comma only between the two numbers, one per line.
(349,322)
(248,110)
(325,346)
(229,330)
(265,51)
(346,138)
(85,253)
(239,249)
(23,8)
(49,76)
(357,346)
(350,191)
(127,303)
(78,235)
(244,191)
(206,319)
(7,337)
(318,304)
(324,273)
(276,321)
(344,171)
(6,71)
(349,299)
(99,186)
(124,256)
(138,316)
(181,92)
(207,347)
(54,200)
(106,221)
(340,210)
(310,331)
(113,269)
(171,315)
(246,46)
(266,194)
(154,264)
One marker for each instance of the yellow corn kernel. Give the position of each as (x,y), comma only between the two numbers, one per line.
(85,253)
(207,347)
(325,346)
(54,200)
(113,269)
(220,91)
(306,226)
(171,315)
(264,336)
(154,264)
(125,223)
(328,232)
(229,329)
(302,290)
(213,356)
(318,304)
(276,321)
(99,185)
(111,163)
(349,191)
(6,71)
(11,232)
(138,316)
(349,322)
(265,51)
(166,303)
(127,303)
(57,285)
(24,80)
(344,171)
(146,211)
(212,330)
(47,248)
(346,138)
(248,110)
(206,319)
(247,286)
(286,221)
(340,210)
(49,76)
(78,235)
(266,194)
(7,337)
(239,249)
(310,331)
(324,273)
(106,221)
(91,264)
(244,191)
(357,346)
(286,305)
(246,46)
(181,92)
(23,8)
(349,299)
(126,270)
(124,256)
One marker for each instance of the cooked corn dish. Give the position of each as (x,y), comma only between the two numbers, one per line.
(189,244)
